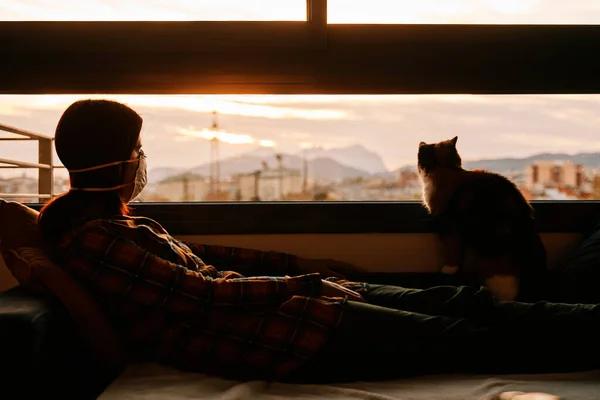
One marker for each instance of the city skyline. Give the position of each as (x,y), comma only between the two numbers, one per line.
(177,128)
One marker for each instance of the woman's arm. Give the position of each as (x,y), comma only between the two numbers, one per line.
(246,261)
(118,268)
(258,263)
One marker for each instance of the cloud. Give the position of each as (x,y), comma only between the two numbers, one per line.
(225,137)
(225,105)
(328,142)
(307,145)
(296,135)
(551,143)
(266,143)
(11,110)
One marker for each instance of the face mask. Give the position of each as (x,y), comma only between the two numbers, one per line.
(139,181)
(141,178)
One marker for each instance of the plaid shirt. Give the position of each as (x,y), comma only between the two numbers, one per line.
(172,308)
(245,261)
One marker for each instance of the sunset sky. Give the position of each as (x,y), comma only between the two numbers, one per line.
(340,11)
(176,127)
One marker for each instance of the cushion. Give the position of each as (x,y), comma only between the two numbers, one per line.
(579,277)
(23,250)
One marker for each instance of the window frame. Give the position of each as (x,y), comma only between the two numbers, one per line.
(309,57)
(356,217)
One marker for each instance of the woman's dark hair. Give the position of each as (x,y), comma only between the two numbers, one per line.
(91,133)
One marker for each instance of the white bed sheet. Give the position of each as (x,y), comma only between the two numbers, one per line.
(150,382)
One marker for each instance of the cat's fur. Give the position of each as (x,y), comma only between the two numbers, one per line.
(485,224)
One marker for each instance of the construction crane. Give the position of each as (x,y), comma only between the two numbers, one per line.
(215,162)
(186,188)
(304,173)
(279,158)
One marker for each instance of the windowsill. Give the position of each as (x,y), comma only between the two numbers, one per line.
(229,218)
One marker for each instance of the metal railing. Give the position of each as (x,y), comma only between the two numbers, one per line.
(45,165)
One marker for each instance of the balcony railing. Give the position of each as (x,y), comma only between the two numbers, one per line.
(44,165)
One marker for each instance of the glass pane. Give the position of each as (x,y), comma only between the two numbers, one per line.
(153,10)
(464,11)
(350,148)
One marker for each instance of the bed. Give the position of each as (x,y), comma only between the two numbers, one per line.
(40,339)
(151,381)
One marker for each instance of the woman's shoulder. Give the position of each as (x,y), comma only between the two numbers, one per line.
(118,221)
(131,235)
(133,228)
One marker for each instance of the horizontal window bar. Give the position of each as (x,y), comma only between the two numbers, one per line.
(357,59)
(93,37)
(337,218)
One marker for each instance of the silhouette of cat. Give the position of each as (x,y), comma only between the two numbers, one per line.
(485,224)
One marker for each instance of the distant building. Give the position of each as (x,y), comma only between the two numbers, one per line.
(270,184)
(61,185)
(410,185)
(374,189)
(553,174)
(517,177)
(557,194)
(20,185)
(595,187)
(183,187)
(408,178)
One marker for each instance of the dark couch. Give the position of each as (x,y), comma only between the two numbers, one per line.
(42,355)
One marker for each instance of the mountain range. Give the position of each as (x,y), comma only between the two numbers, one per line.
(322,164)
(354,161)
(589,160)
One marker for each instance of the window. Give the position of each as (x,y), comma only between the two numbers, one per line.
(432,65)
(333,148)
(464,12)
(156,10)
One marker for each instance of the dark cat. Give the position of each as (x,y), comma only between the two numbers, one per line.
(485,224)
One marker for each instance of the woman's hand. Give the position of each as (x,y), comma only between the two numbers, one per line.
(327,268)
(331,289)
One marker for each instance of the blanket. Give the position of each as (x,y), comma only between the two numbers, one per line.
(151,382)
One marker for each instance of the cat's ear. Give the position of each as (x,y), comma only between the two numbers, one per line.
(422,144)
(454,140)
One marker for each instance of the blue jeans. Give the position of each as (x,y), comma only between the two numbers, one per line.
(446,329)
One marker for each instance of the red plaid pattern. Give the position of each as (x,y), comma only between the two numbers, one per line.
(246,261)
(173,308)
